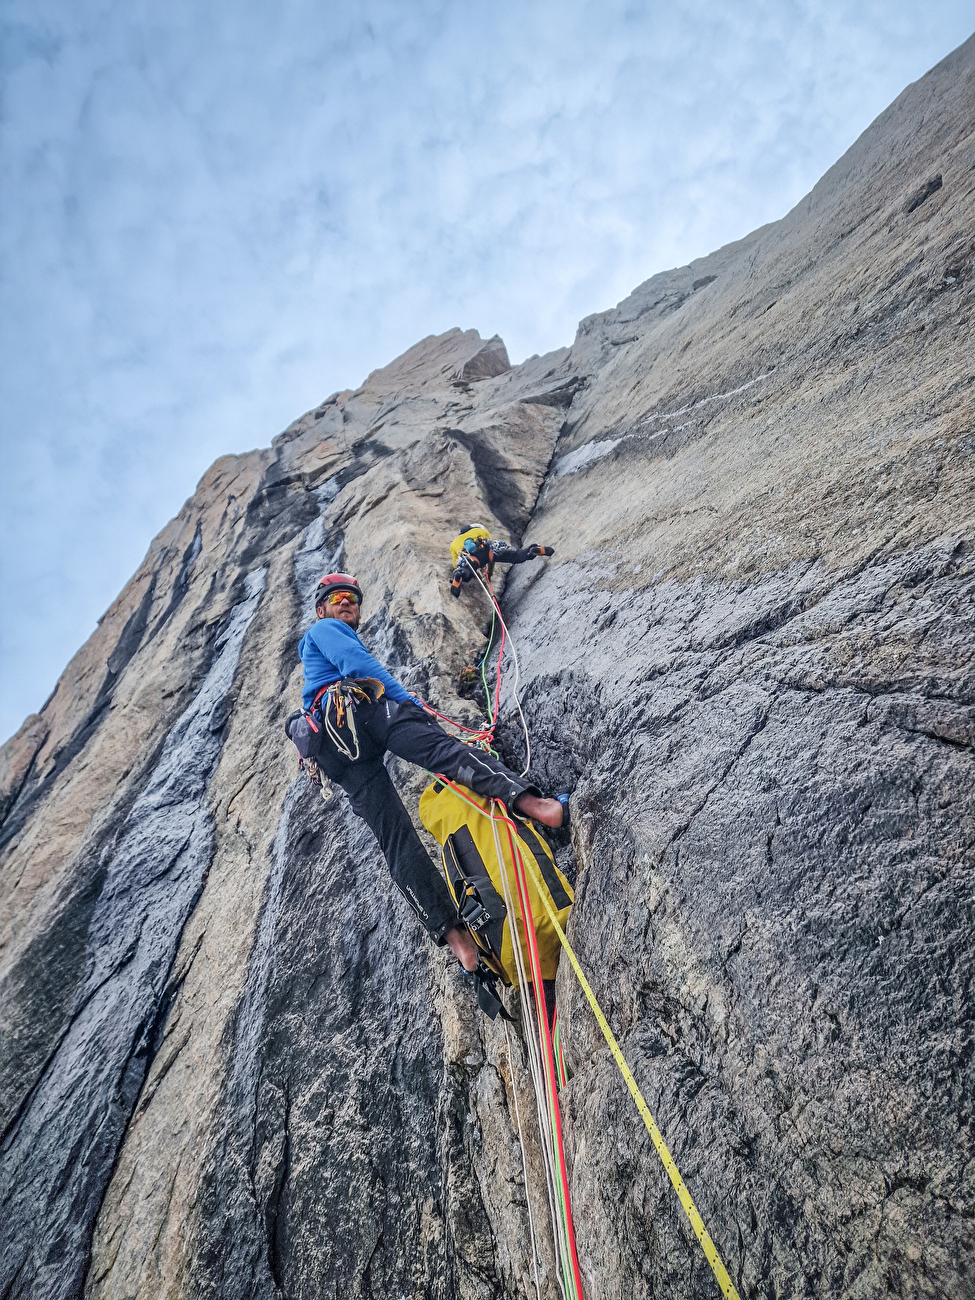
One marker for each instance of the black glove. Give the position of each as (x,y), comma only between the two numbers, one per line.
(536,551)
(455,589)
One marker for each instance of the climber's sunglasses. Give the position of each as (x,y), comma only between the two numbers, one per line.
(336,597)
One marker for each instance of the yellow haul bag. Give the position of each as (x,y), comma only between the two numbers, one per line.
(470,861)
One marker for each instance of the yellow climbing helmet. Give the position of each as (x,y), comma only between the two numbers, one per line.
(474,533)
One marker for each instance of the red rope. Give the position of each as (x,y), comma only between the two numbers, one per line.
(548,1053)
(538,989)
(482,733)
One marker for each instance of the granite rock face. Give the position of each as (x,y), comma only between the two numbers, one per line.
(230,1063)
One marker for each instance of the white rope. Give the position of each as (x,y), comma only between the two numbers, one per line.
(533,1037)
(524,1162)
(532,1042)
(514,652)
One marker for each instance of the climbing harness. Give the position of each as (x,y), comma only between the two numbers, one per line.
(332,713)
(340,702)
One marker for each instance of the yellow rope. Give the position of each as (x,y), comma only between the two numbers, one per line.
(697,1223)
(707,1245)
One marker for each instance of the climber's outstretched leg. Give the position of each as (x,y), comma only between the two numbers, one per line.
(414,735)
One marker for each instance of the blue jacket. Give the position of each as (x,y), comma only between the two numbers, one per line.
(330,650)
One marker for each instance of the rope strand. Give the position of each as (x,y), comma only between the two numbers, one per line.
(532,1041)
(489,592)
(524,1162)
(486,734)
(711,1253)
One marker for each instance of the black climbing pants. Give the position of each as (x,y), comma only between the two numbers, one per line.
(405,730)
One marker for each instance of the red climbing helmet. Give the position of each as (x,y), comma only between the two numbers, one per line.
(337,582)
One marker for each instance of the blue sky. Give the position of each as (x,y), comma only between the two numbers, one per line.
(212,216)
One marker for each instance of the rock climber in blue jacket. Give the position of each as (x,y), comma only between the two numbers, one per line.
(331,651)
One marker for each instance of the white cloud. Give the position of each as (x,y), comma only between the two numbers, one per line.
(214,215)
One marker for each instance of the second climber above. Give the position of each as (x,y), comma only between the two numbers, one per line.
(474,549)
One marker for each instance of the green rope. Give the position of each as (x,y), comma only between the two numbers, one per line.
(570,1290)
(559,1060)
(490,646)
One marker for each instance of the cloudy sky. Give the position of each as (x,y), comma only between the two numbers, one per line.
(214,215)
